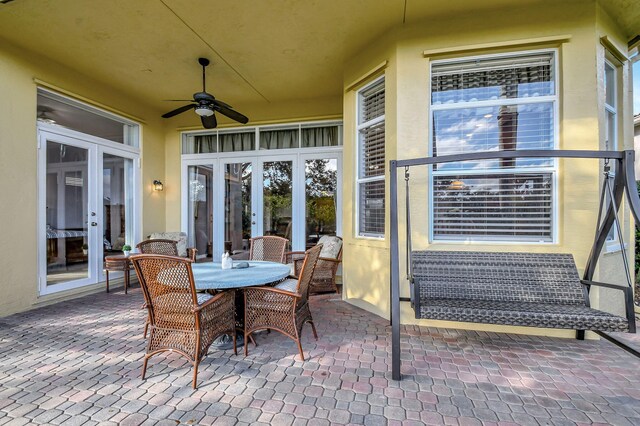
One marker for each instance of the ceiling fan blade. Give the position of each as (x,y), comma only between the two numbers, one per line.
(220,103)
(234,115)
(209,122)
(177,100)
(178,111)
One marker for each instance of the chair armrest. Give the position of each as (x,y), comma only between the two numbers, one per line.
(293,255)
(273,290)
(628,300)
(601,284)
(328,259)
(191,253)
(213,300)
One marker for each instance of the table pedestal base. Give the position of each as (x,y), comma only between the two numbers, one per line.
(225,342)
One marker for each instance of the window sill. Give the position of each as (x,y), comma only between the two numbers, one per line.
(614,247)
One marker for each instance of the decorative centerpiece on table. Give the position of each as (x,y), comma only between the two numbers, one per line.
(126,249)
(227,261)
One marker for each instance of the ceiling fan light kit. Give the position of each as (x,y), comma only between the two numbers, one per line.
(205,105)
(204,111)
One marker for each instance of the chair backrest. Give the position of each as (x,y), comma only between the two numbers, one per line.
(269,248)
(169,289)
(179,237)
(331,247)
(498,276)
(165,247)
(308,267)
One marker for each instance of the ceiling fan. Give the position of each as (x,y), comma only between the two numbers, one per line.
(205,105)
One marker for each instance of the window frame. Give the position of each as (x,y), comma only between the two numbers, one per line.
(383,177)
(611,244)
(553,169)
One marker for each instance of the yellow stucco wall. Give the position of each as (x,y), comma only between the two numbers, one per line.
(18,154)
(574,28)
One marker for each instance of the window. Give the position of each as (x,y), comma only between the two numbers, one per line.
(494,103)
(371,161)
(310,135)
(611,123)
(64,112)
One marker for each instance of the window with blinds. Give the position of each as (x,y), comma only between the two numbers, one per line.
(494,104)
(370,182)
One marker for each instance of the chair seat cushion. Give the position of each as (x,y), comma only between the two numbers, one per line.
(289,284)
(203,297)
(524,314)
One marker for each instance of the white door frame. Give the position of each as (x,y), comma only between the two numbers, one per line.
(95,147)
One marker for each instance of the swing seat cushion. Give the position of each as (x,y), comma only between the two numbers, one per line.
(520,289)
(524,314)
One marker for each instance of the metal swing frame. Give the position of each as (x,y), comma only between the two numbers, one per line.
(624,181)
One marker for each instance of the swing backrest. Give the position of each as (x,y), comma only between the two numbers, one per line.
(507,277)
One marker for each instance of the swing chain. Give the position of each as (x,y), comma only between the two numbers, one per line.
(607,167)
(406,173)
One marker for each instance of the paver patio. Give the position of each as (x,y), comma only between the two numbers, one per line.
(78,362)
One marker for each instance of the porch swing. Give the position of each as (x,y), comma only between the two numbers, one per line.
(514,288)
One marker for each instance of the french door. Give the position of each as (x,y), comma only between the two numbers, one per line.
(256,194)
(87,207)
(228,200)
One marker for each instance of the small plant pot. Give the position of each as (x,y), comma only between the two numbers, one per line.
(85,251)
(126,253)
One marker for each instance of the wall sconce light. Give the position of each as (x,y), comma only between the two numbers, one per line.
(157,185)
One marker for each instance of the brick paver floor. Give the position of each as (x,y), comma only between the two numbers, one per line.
(78,362)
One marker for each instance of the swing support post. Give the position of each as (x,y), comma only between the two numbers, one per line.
(395,272)
(624,181)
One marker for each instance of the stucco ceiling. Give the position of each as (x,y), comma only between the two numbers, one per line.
(263,51)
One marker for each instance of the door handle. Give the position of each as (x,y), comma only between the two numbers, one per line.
(94,223)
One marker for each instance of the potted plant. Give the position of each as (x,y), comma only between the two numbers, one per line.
(126,249)
(85,248)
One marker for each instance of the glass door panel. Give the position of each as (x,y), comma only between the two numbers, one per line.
(67,203)
(117,204)
(321,199)
(200,209)
(239,219)
(277,199)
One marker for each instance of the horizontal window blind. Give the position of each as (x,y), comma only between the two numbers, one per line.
(512,207)
(371,160)
(492,79)
(371,208)
(508,127)
(500,109)
(372,151)
(371,102)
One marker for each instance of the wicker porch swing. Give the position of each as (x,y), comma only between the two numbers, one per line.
(518,289)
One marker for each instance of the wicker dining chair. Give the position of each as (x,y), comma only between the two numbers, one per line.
(269,248)
(285,307)
(324,277)
(181,320)
(164,246)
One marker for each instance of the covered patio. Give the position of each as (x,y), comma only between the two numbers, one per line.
(79,362)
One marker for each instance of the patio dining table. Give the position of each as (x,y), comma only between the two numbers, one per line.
(211,276)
